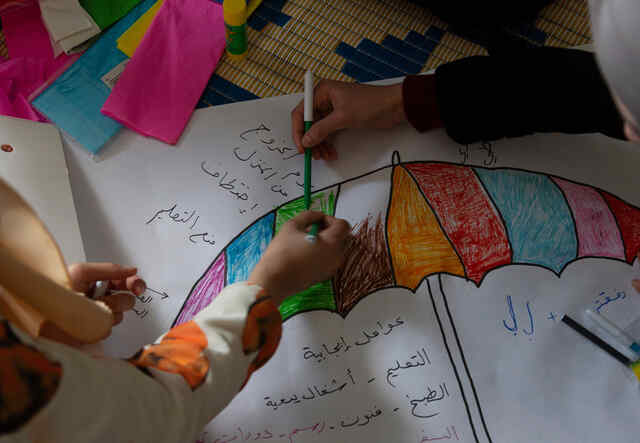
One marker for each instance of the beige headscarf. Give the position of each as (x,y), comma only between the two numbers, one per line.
(615,25)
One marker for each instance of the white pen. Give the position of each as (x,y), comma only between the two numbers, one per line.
(102,288)
(614,331)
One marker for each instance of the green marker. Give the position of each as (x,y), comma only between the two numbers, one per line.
(308,121)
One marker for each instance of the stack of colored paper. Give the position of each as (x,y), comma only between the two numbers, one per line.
(174,46)
(74,100)
(157,94)
(31,63)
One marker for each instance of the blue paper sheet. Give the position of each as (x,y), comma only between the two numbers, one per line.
(74,100)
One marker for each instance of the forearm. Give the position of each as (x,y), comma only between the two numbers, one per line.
(169,390)
(537,90)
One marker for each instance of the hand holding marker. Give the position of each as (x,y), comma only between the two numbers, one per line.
(102,289)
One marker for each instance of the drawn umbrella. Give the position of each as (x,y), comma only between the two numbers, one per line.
(417,219)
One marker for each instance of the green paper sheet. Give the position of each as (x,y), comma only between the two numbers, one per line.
(107,12)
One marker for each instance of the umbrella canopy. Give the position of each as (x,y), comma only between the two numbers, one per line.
(440,218)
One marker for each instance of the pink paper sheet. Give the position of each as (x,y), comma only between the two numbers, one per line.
(26,36)
(31,64)
(160,87)
(8,5)
(19,77)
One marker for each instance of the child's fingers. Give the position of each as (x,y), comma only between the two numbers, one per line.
(336,230)
(83,275)
(119,302)
(119,285)
(117,317)
(305,219)
(135,284)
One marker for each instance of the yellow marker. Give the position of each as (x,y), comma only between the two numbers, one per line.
(635,367)
(235,22)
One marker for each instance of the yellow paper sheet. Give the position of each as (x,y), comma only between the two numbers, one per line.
(252,6)
(129,41)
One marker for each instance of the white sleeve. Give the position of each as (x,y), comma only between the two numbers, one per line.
(170,390)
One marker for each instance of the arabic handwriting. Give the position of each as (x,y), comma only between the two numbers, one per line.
(280,149)
(278,189)
(243,158)
(603,300)
(342,345)
(148,300)
(513,326)
(420,358)
(171,213)
(431,396)
(260,128)
(464,152)
(141,313)
(374,334)
(201,237)
(251,150)
(360,420)
(229,186)
(260,165)
(226,184)
(451,433)
(244,211)
(232,185)
(488,153)
(183,217)
(296,431)
(530,331)
(144,300)
(491,158)
(311,393)
(318,427)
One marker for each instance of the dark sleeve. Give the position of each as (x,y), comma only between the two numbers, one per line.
(536,90)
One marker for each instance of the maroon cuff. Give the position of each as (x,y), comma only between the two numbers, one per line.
(420,102)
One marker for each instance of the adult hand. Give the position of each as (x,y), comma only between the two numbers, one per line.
(291,263)
(339,105)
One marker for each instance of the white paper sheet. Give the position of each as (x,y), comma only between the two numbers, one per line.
(435,361)
(32,161)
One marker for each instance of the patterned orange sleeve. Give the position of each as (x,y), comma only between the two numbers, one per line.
(181,350)
(262,331)
(28,380)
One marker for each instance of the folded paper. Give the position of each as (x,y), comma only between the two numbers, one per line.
(107,12)
(74,100)
(69,25)
(156,93)
(26,37)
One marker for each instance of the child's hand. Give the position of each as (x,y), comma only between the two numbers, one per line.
(291,263)
(85,275)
